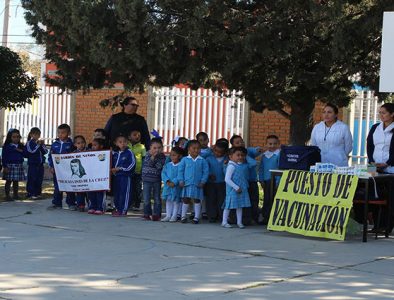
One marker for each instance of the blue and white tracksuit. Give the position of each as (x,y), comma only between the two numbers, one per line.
(125,160)
(61,147)
(35,154)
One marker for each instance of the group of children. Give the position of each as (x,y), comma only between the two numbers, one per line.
(215,180)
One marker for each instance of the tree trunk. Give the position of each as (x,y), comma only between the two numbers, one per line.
(301,122)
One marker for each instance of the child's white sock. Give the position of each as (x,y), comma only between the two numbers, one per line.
(226,213)
(185,208)
(197,210)
(175,210)
(169,208)
(239,216)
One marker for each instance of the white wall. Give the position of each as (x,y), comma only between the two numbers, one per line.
(387,58)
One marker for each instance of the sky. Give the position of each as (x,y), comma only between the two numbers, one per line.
(18,30)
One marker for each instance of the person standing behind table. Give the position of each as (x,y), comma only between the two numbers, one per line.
(126,121)
(380,147)
(333,138)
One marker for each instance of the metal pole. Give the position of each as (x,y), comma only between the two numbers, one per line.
(4,44)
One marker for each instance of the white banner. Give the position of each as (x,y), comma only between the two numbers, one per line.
(83,171)
(387,57)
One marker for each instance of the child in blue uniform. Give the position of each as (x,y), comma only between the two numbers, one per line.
(192,176)
(80,146)
(63,144)
(216,187)
(171,191)
(12,159)
(269,161)
(97,199)
(203,139)
(250,214)
(152,167)
(237,184)
(35,151)
(123,163)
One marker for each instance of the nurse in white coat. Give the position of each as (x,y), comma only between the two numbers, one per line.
(333,137)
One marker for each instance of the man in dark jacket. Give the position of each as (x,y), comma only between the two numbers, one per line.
(128,120)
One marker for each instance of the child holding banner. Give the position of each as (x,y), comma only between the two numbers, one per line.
(269,161)
(35,151)
(123,164)
(80,146)
(237,184)
(97,199)
(63,144)
(151,176)
(13,163)
(171,190)
(193,174)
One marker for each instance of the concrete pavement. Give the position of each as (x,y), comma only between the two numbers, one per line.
(70,255)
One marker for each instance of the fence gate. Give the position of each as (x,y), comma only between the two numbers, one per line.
(47,112)
(185,112)
(364,112)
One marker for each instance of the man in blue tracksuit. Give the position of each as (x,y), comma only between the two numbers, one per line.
(63,144)
(123,164)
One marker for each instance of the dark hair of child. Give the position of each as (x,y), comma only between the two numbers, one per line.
(178,150)
(101,142)
(34,130)
(272,136)
(222,145)
(120,136)
(235,149)
(235,136)
(156,141)
(64,126)
(8,139)
(202,134)
(192,142)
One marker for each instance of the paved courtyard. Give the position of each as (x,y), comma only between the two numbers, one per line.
(70,255)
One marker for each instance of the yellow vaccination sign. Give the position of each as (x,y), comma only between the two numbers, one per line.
(313,204)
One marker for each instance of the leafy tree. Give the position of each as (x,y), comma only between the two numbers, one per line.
(284,55)
(33,66)
(16,87)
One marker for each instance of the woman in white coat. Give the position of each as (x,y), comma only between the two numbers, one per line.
(333,137)
(380,150)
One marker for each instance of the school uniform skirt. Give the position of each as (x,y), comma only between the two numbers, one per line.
(15,172)
(192,191)
(235,200)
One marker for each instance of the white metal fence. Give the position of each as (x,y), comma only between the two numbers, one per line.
(185,112)
(363,113)
(47,112)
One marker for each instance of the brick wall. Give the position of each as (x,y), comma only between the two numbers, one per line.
(89,115)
